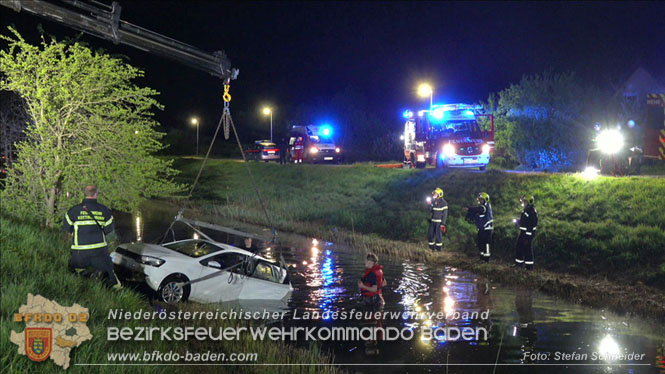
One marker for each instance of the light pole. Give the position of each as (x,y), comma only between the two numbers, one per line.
(266,111)
(425,90)
(195,121)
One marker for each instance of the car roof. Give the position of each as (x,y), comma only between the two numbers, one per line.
(225,248)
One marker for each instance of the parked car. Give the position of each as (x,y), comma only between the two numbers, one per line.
(263,150)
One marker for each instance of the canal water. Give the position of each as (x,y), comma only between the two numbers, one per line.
(449,320)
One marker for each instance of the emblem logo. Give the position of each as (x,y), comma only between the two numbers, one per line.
(38,343)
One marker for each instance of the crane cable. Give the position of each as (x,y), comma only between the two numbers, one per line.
(228,124)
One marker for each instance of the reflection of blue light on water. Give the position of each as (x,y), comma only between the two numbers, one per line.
(327,271)
(328,293)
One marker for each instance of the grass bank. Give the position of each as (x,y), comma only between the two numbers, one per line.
(608,229)
(34,260)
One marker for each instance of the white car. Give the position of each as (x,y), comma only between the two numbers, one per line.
(168,268)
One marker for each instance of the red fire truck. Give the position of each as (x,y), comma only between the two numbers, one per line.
(448,135)
(654,132)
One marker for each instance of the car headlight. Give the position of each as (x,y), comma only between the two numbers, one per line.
(449,150)
(313,150)
(338,150)
(486,148)
(152,261)
(610,141)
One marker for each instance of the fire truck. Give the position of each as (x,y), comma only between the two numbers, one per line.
(448,135)
(654,133)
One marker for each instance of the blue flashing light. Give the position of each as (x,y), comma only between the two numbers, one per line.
(437,113)
(407,114)
(325,131)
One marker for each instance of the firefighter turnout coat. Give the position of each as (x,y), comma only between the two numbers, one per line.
(90,222)
(439,211)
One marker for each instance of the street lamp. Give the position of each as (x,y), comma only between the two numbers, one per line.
(268,111)
(195,122)
(425,90)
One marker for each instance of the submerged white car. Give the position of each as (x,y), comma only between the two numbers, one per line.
(203,271)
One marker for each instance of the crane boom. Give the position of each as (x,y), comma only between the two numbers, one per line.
(104,21)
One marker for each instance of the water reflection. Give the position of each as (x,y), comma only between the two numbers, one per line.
(139,228)
(608,347)
(325,279)
(525,329)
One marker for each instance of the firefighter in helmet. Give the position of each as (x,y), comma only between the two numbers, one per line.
(527,224)
(483,218)
(437,225)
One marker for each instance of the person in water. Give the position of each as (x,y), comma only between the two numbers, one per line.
(370,288)
(371,282)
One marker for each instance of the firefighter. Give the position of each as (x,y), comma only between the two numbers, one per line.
(437,225)
(483,218)
(527,225)
(89,223)
(299,147)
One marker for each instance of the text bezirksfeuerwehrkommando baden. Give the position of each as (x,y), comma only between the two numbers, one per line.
(353,314)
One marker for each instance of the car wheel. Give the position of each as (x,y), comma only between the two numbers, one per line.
(482,168)
(171,291)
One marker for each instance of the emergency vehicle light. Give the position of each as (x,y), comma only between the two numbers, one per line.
(449,150)
(437,113)
(610,141)
(407,114)
(325,131)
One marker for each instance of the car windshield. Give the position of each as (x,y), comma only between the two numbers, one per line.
(317,140)
(457,128)
(193,248)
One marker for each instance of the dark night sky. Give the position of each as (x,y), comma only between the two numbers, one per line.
(293,53)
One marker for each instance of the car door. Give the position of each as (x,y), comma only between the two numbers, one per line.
(264,283)
(223,286)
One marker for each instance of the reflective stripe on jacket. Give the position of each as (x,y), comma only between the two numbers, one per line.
(439,211)
(484,219)
(529,220)
(89,227)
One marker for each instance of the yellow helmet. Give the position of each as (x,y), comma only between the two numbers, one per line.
(527,198)
(438,191)
(485,196)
